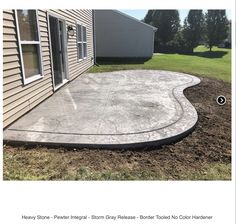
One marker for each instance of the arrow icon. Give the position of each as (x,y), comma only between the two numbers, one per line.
(221,100)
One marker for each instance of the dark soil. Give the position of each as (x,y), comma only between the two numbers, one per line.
(209,143)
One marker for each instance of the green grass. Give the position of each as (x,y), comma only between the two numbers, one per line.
(43,164)
(210,172)
(215,64)
(217,171)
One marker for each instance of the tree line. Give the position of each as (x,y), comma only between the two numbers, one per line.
(211,29)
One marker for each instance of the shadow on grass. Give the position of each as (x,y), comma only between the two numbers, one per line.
(210,54)
(204,54)
(120,61)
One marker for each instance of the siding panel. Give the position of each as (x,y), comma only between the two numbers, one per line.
(12,117)
(16,95)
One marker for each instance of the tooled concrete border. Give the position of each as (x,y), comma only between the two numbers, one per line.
(168,134)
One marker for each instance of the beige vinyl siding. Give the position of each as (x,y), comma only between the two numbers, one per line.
(72,17)
(18,98)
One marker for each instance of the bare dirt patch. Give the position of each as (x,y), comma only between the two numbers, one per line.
(200,155)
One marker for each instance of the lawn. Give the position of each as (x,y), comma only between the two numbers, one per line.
(215,64)
(42,163)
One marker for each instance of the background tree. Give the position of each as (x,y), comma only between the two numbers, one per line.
(167,22)
(148,18)
(193,28)
(216,27)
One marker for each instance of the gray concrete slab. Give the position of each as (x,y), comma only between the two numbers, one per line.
(119,108)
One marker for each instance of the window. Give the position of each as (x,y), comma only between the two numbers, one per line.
(81,42)
(29,45)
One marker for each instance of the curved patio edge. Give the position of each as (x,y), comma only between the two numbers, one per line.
(166,135)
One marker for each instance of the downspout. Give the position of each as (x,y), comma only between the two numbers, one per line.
(94,38)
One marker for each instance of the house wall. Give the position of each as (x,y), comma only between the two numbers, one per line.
(120,36)
(19,98)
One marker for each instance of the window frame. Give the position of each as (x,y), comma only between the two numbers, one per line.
(82,42)
(25,42)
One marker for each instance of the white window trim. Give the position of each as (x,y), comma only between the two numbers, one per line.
(20,43)
(81,42)
(85,42)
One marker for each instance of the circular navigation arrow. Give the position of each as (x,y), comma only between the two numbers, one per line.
(221,100)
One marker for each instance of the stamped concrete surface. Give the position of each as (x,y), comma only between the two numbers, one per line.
(114,108)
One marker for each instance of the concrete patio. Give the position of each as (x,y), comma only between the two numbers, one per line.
(113,109)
